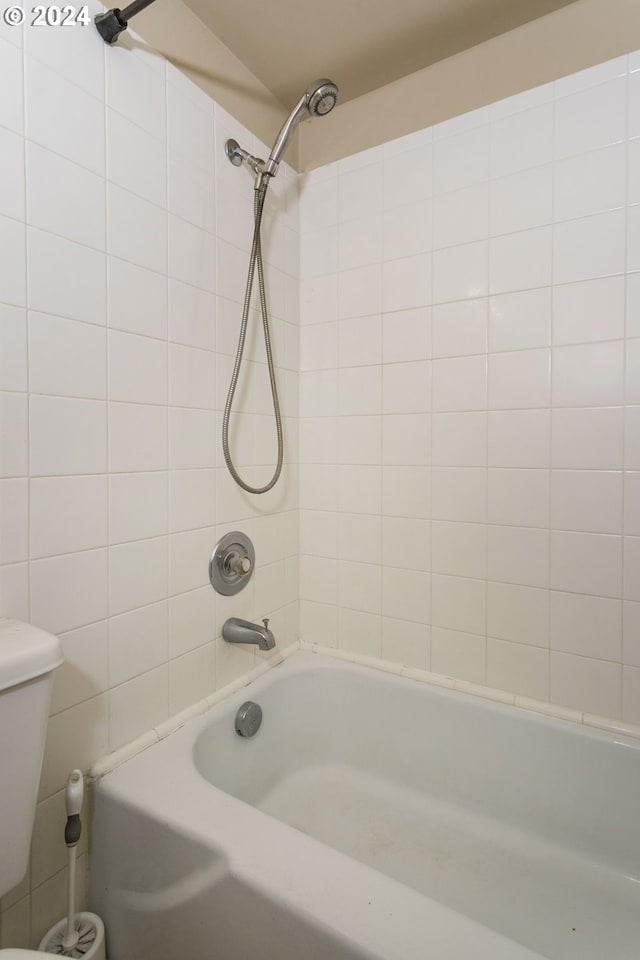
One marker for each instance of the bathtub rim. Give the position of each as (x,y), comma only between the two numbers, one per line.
(606,725)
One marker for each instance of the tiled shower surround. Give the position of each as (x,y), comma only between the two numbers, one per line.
(470,396)
(461,312)
(123,267)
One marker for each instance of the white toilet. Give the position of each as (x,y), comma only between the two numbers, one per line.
(28,657)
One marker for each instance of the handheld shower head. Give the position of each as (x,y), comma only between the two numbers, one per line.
(317,101)
(322,97)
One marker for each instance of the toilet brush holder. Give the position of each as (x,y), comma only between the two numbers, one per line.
(90,945)
(78,935)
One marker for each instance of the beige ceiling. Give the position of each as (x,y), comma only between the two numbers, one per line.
(361,44)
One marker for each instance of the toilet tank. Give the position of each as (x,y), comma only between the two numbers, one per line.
(28,657)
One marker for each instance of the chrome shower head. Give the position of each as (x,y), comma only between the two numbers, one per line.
(318,100)
(322,97)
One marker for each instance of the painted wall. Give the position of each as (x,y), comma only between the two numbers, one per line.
(572,38)
(123,268)
(470,396)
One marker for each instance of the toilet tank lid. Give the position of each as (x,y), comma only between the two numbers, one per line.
(26,652)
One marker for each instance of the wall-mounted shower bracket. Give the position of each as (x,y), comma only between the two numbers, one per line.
(237,155)
(232,563)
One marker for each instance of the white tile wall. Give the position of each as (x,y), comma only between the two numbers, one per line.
(117,320)
(507,290)
(469,401)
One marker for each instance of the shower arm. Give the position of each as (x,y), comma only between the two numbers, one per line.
(114,22)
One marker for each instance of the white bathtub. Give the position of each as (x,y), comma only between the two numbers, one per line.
(372,816)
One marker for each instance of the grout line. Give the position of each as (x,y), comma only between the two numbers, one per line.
(551,397)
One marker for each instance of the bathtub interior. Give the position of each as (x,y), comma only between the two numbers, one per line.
(471,804)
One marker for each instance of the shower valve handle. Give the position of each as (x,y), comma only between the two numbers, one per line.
(239,564)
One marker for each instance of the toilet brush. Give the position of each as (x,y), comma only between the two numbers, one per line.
(80,935)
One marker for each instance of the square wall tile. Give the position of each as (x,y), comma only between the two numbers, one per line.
(67,358)
(518,555)
(406,543)
(590,183)
(407,230)
(459,655)
(138,507)
(136,89)
(586,563)
(519,438)
(406,492)
(520,321)
(137,437)
(137,369)
(406,439)
(67,436)
(459,549)
(586,626)
(138,642)
(594,686)
(137,574)
(69,591)
(138,705)
(520,261)
(406,387)
(588,439)
(460,329)
(519,380)
(407,176)
(592,118)
(137,229)
(359,632)
(67,514)
(589,375)
(461,273)
(406,595)
(458,603)
(590,247)
(522,140)
(459,384)
(406,283)
(586,500)
(521,201)
(461,160)
(461,216)
(589,310)
(66,278)
(518,668)
(406,335)
(75,209)
(518,613)
(518,497)
(459,494)
(64,118)
(459,439)
(406,643)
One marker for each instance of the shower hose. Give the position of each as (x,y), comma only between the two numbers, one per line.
(254,259)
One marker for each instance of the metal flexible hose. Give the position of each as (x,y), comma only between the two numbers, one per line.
(254,259)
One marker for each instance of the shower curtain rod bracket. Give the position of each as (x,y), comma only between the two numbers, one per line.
(114,22)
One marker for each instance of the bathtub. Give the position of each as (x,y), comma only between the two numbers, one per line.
(371,816)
